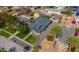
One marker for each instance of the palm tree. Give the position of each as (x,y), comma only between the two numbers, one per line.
(56,31)
(73,43)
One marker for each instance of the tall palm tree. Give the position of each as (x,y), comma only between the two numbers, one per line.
(73,43)
(56,30)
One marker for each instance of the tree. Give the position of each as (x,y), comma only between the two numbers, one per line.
(68,11)
(56,31)
(9,19)
(50,38)
(38,7)
(2,23)
(24,28)
(73,43)
(2,50)
(36,48)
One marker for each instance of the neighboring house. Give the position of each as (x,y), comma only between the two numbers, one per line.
(36,15)
(77,20)
(74,8)
(56,18)
(39,25)
(66,33)
(24,11)
(22,20)
(77,13)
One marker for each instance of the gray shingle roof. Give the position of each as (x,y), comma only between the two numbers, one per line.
(40,24)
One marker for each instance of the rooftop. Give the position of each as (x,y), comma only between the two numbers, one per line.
(40,24)
(67,32)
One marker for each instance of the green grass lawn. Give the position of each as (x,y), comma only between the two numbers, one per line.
(31,39)
(21,35)
(10,29)
(2,33)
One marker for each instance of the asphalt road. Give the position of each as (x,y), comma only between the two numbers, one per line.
(8,44)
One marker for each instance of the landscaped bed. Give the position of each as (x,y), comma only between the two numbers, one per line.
(21,35)
(31,39)
(10,29)
(2,33)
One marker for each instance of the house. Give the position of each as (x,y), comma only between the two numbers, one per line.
(39,25)
(22,20)
(24,11)
(77,13)
(56,18)
(77,20)
(66,33)
(74,8)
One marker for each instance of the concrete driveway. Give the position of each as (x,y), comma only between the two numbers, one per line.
(43,35)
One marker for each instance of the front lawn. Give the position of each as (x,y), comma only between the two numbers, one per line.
(21,35)
(2,33)
(31,39)
(10,29)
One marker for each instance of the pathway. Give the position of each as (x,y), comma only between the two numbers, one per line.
(13,34)
(27,36)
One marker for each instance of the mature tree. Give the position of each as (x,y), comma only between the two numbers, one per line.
(50,38)
(24,28)
(56,31)
(73,43)
(9,19)
(68,11)
(2,23)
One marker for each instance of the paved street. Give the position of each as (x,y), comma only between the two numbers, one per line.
(8,44)
(43,35)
